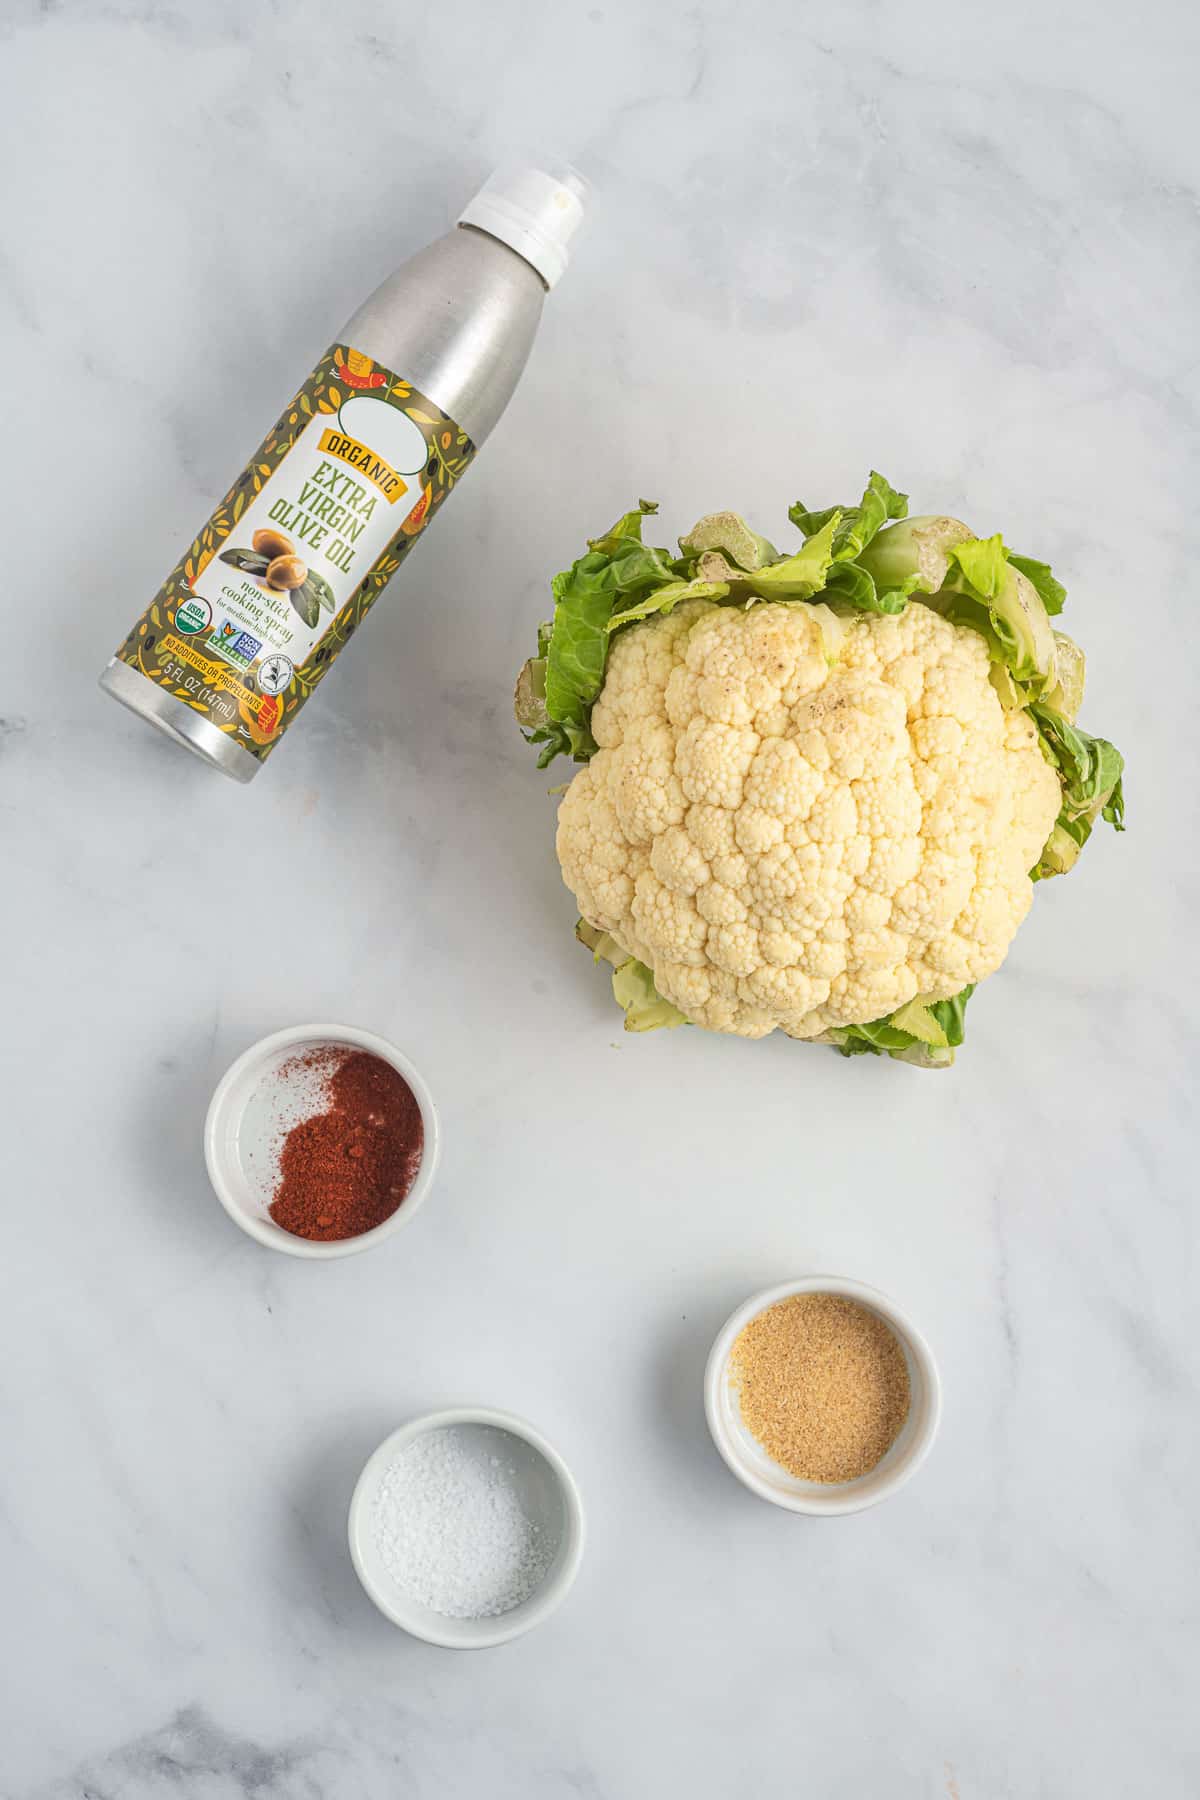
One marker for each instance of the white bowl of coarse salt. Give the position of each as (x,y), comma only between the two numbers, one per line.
(466,1528)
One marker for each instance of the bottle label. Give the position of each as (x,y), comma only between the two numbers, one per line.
(255,612)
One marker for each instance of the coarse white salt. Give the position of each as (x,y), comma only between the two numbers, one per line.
(451,1527)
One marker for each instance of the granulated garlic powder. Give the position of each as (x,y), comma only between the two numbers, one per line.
(822,1384)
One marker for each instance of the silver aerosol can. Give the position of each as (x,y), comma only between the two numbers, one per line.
(253,615)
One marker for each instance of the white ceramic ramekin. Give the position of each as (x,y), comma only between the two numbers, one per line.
(240,1128)
(549,1494)
(760,1473)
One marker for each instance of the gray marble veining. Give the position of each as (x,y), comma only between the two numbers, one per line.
(957,244)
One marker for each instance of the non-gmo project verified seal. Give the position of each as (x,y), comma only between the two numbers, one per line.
(234,644)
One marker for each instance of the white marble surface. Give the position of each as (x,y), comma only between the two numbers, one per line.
(958,244)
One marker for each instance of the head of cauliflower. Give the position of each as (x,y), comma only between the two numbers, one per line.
(803,829)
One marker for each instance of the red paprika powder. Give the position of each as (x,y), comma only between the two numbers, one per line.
(346,1170)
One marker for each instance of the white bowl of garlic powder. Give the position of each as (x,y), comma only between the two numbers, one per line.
(466,1528)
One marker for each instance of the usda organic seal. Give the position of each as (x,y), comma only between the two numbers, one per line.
(192,616)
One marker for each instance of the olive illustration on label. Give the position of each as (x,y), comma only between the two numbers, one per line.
(318,586)
(272,562)
(286,571)
(271,543)
(250,562)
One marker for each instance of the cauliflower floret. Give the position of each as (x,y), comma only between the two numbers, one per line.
(795,846)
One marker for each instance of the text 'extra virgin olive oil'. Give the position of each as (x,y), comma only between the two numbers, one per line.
(256,610)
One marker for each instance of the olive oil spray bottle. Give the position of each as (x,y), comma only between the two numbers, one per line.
(254,614)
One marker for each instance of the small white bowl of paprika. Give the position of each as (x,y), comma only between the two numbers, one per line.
(321,1140)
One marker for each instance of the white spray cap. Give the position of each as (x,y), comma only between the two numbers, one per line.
(536,212)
